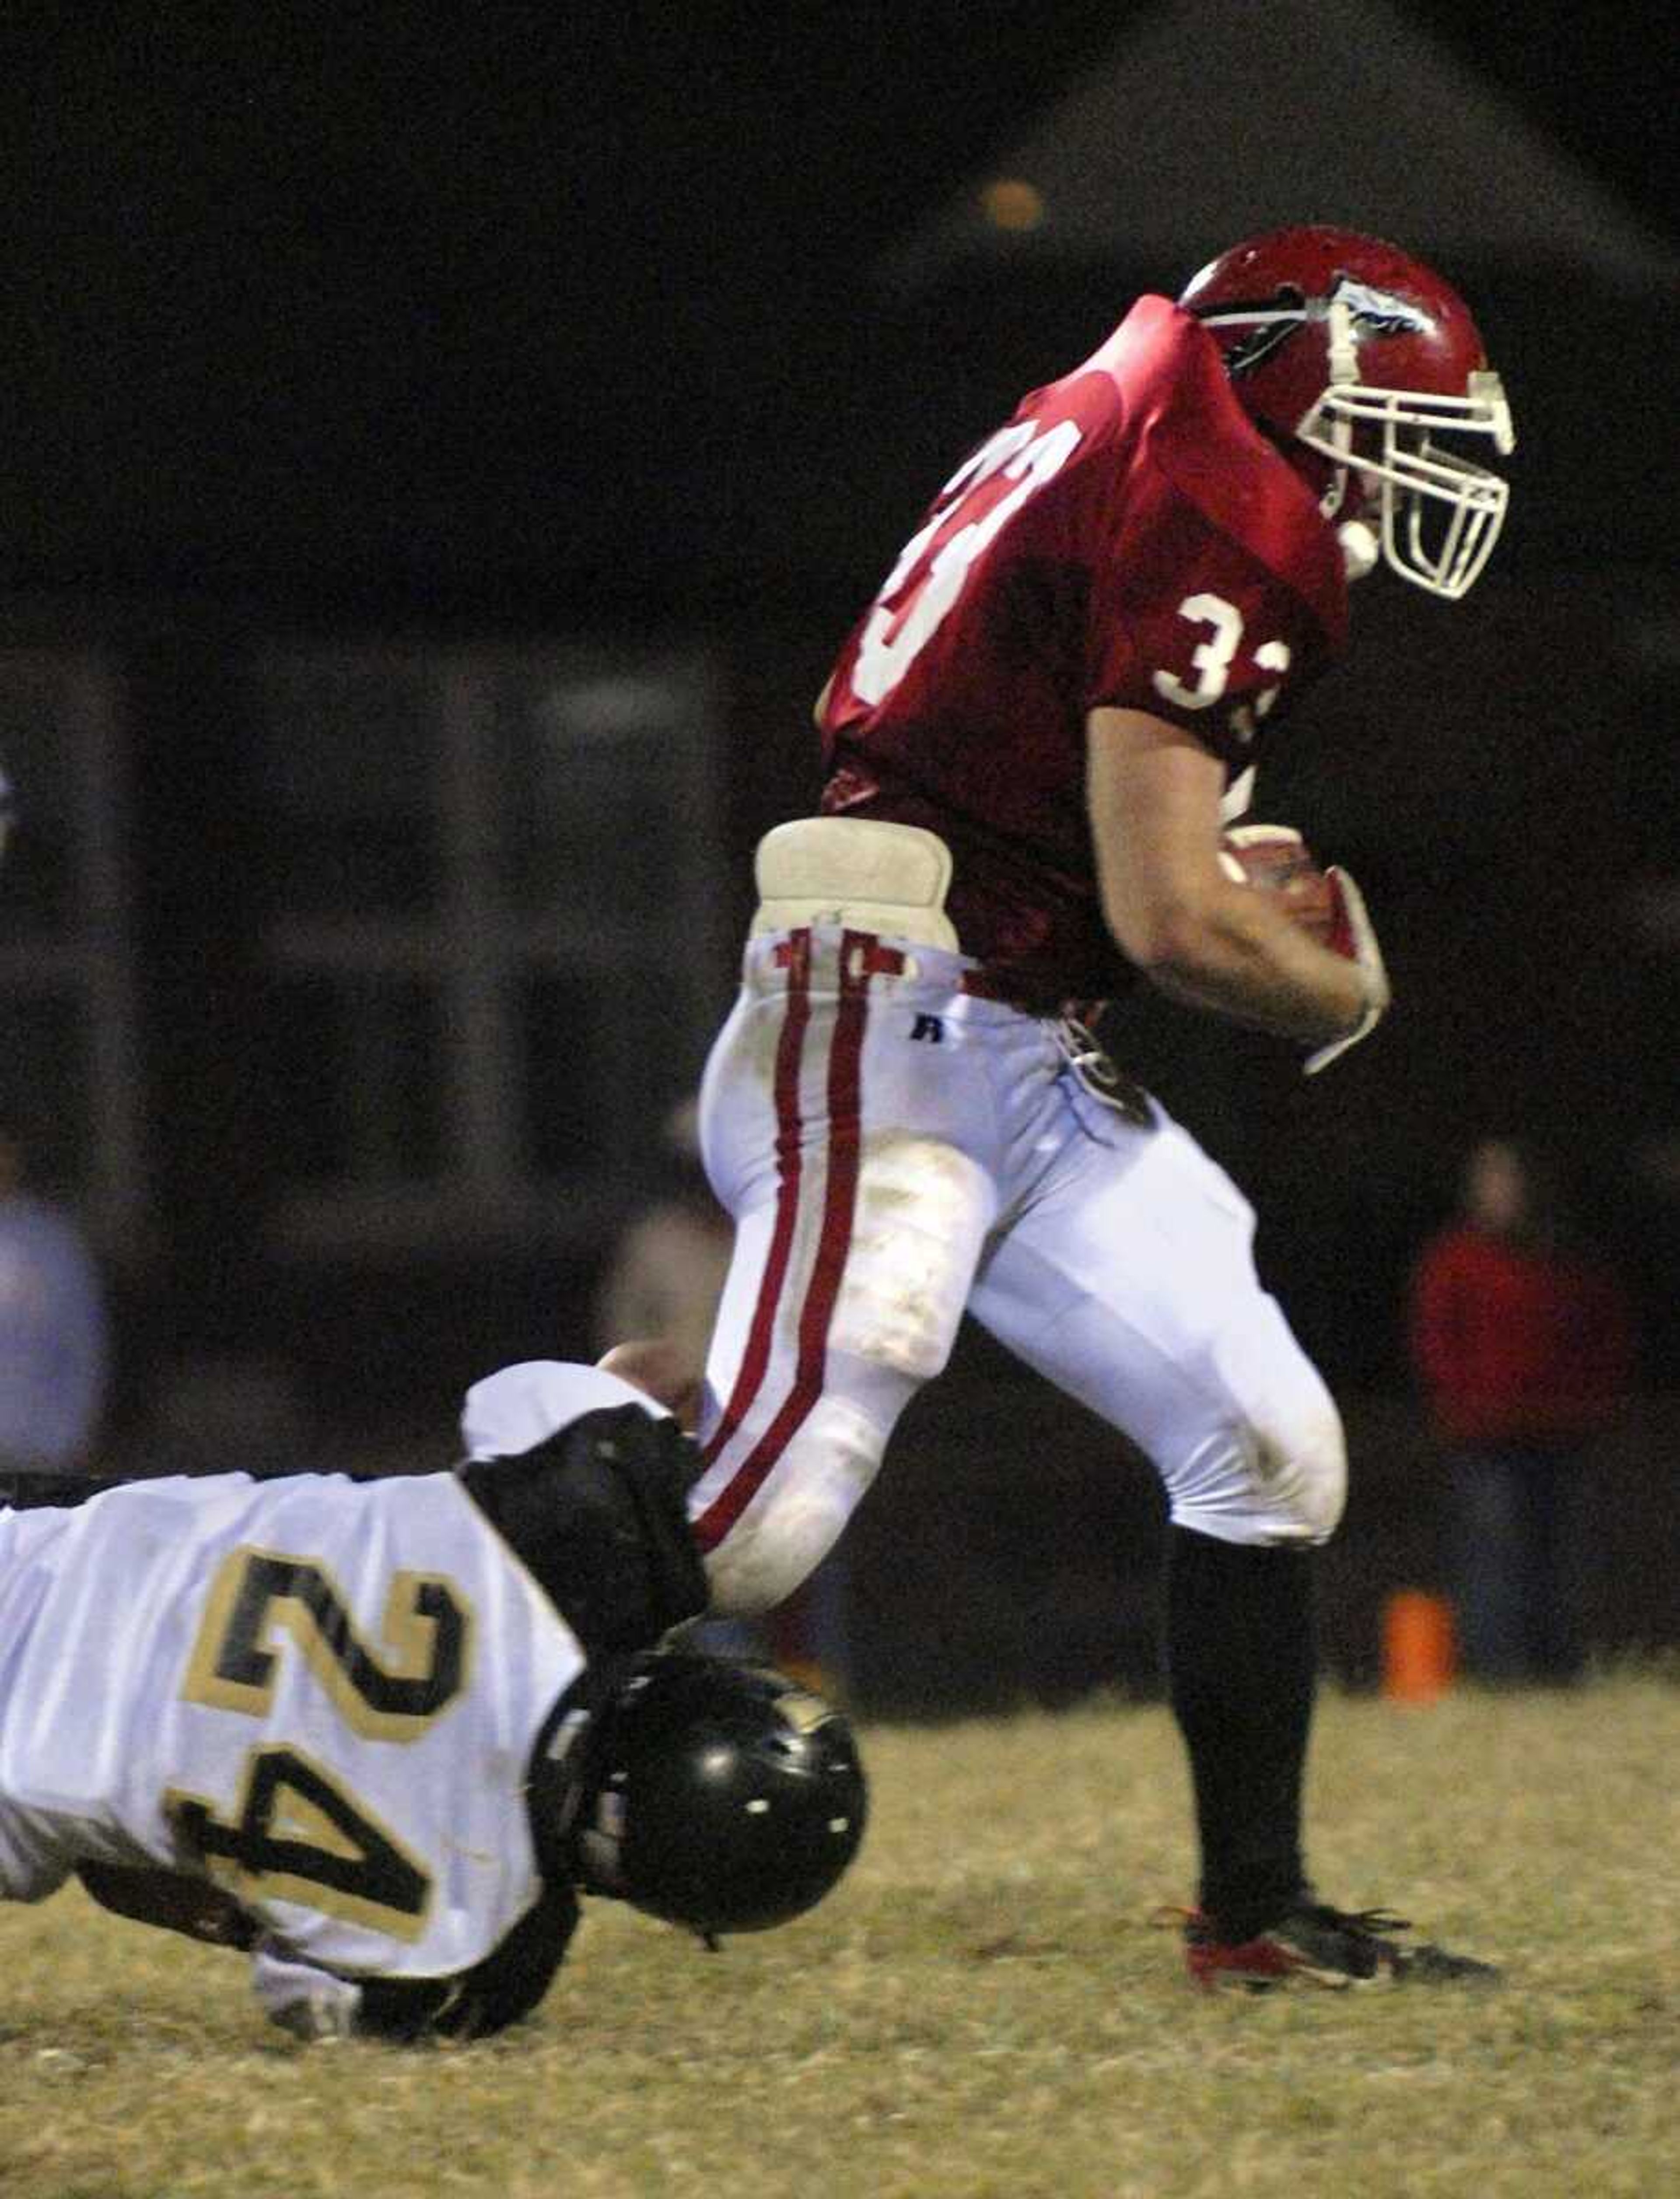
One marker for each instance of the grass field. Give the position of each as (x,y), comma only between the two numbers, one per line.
(984,2008)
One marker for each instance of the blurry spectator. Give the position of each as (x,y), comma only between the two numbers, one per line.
(53,1336)
(667,1272)
(1523,1341)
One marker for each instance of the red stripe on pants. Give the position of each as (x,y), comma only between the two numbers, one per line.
(789,1047)
(833,1242)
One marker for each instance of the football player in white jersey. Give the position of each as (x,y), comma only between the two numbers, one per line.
(383,1733)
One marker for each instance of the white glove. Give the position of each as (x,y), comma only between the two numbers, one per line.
(310,2003)
(1353,935)
(1266,855)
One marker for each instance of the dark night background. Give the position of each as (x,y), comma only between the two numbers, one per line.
(511,323)
(521,312)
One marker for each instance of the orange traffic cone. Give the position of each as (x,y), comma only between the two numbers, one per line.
(1419,1655)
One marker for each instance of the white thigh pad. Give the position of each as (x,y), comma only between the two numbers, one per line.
(923,1209)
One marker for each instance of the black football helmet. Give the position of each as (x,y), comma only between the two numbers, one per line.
(723,1797)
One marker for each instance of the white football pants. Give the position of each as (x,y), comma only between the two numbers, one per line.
(894,1149)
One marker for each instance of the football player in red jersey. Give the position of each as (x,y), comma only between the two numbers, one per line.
(1034,737)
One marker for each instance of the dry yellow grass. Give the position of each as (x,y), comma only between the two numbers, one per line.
(984,2007)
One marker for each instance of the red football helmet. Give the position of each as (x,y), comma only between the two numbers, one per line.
(1352,349)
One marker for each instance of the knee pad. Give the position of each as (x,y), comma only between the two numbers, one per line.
(1304,1477)
(797,1517)
(1278,1484)
(1273,1467)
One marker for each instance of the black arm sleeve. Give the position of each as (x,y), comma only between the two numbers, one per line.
(474,2003)
(597,1515)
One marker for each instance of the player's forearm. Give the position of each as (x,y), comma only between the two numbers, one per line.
(1154,798)
(1229,949)
(316,2003)
(171,1900)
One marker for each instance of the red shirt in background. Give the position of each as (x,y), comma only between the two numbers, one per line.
(1518,1342)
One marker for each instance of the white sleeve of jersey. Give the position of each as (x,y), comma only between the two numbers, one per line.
(518,1408)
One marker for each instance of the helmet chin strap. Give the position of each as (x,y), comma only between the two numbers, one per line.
(1361,551)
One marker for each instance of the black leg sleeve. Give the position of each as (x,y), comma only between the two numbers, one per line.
(1241,1666)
